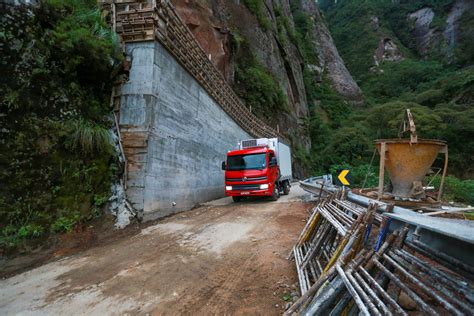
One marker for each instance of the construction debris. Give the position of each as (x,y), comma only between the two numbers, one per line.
(345,267)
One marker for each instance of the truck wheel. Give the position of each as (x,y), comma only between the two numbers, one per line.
(276,193)
(237,198)
(286,188)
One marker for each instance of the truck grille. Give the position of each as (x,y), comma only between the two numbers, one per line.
(245,180)
(245,187)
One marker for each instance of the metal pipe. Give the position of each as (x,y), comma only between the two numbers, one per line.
(300,272)
(329,217)
(405,288)
(443,278)
(382,292)
(445,257)
(325,298)
(383,149)
(343,216)
(443,177)
(365,297)
(372,294)
(323,278)
(341,305)
(434,282)
(423,286)
(314,248)
(353,292)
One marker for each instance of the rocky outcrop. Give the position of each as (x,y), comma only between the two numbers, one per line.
(422,31)
(450,32)
(329,58)
(210,31)
(387,51)
(433,40)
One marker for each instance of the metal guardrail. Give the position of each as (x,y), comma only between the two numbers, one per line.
(138,21)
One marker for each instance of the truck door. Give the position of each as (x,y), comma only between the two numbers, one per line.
(273,168)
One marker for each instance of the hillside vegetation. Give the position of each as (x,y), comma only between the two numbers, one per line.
(57,159)
(437,85)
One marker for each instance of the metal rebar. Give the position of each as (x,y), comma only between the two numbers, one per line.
(353,292)
(388,298)
(405,288)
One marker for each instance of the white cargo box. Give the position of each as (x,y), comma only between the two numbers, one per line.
(282,151)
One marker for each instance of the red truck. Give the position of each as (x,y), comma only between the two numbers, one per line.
(260,167)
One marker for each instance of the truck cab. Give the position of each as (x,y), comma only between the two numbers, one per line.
(254,171)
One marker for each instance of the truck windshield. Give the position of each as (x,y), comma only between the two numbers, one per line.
(245,162)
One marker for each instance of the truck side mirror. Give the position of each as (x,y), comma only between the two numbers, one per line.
(223,165)
(273,162)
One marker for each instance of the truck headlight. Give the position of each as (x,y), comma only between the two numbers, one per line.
(228,188)
(264,186)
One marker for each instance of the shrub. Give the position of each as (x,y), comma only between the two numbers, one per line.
(430,97)
(30,230)
(456,190)
(65,224)
(89,137)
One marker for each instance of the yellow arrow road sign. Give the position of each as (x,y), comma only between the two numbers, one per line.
(342,177)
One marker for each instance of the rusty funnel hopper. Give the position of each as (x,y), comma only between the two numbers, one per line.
(407,163)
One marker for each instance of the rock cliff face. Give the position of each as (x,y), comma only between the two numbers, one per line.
(438,39)
(267,29)
(329,57)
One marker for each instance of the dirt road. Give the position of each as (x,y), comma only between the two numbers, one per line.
(221,258)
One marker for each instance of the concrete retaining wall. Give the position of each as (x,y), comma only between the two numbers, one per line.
(175,136)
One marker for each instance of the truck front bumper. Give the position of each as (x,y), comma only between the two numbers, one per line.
(242,190)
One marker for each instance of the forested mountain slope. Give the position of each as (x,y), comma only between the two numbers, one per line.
(416,54)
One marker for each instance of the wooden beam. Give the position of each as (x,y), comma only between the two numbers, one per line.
(383,149)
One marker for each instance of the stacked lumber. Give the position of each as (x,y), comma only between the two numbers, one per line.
(343,269)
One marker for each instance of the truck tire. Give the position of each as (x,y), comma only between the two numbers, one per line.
(286,188)
(237,198)
(276,192)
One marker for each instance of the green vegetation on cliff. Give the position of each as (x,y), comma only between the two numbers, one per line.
(255,85)
(57,159)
